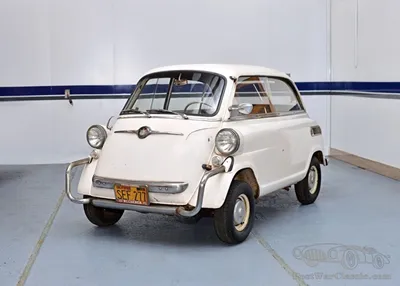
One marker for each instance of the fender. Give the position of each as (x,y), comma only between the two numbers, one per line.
(316,148)
(218,186)
(85,181)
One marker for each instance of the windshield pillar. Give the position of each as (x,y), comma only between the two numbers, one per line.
(168,97)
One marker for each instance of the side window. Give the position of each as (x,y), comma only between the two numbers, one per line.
(282,96)
(254,90)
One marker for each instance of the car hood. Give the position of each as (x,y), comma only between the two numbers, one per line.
(174,152)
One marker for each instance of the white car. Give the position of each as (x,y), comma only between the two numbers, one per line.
(202,140)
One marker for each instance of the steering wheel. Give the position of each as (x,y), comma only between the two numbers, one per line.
(186,107)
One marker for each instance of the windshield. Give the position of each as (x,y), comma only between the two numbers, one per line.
(180,92)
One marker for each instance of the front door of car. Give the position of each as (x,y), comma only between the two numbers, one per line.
(267,140)
(294,123)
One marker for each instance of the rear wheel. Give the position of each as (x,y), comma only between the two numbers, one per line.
(234,221)
(101,216)
(307,190)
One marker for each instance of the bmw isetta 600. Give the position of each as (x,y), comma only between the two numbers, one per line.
(202,139)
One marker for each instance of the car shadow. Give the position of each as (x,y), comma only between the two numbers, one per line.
(279,205)
(166,230)
(11,174)
(159,230)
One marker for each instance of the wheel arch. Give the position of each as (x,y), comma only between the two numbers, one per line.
(218,186)
(247,175)
(320,156)
(318,153)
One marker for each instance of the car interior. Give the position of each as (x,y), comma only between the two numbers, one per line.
(251,90)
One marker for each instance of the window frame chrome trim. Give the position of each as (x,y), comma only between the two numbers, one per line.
(267,115)
(291,86)
(169,116)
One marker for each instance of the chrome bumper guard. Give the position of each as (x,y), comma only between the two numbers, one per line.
(68,178)
(169,210)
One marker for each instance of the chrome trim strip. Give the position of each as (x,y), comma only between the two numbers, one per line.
(153,186)
(126,131)
(150,132)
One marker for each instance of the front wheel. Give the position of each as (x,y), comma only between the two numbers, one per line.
(101,216)
(234,221)
(307,190)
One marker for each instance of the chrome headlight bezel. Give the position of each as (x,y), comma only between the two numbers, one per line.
(101,136)
(234,138)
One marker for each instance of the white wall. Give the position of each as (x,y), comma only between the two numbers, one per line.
(101,42)
(367,127)
(367,51)
(365,47)
(45,132)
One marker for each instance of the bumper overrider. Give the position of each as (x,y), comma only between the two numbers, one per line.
(226,166)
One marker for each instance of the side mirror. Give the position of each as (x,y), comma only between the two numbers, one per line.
(243,108)
(110,122)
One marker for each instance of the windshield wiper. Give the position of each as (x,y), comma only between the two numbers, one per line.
(184,116)
(135,111)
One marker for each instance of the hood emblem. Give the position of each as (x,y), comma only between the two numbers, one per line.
(145,131)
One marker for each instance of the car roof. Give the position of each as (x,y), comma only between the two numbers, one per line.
(227,70)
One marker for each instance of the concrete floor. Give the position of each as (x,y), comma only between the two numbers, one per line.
(46,240)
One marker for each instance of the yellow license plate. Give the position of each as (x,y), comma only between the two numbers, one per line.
(131,194)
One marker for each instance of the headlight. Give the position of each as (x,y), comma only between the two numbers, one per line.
(96,136)
(227,141)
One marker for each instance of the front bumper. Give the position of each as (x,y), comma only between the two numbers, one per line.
(160,209)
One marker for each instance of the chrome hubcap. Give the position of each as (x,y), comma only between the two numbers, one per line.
(313,179)
(241,212)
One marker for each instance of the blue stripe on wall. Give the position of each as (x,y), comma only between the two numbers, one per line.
(318,87)
(386,87)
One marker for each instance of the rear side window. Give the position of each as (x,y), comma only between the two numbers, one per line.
(282,96)
(267,94)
